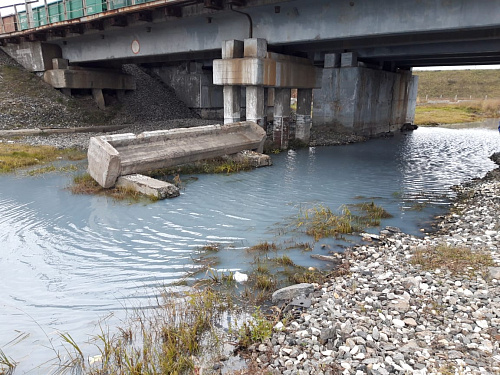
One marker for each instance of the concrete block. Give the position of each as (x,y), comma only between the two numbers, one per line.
(255,47)
(232,49)
(148,186)
(59,63)
(104,162)
(255,159)
(349,59)
(125,154)
(332,60)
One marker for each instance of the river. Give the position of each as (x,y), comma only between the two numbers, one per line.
(69,261)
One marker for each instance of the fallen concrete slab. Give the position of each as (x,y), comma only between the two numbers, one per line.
(148,186)
(124,154)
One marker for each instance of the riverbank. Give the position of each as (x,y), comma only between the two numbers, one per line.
(391,315)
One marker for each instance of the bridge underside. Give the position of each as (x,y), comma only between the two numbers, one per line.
(178,40)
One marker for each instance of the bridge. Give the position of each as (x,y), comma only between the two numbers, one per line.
(355,57)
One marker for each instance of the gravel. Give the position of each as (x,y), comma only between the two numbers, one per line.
(389,316)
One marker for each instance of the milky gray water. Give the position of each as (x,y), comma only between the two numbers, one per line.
(69,261)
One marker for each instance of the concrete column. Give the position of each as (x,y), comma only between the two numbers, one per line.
(303,122)
(99,98)
(412,99)
(232,49)
(255,105)
(232,104)
(281,122)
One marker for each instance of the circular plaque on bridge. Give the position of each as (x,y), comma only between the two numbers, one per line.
(136,47)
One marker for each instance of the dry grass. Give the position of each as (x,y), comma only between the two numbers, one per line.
(263,247)
(15,155)
(456,113)
(464,84)
(458,260)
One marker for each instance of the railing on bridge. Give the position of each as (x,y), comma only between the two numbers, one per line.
(58,11)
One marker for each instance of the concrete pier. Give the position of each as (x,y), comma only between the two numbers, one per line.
(255,108)
(303,117)
(281,122)
(232,104)
(363,100)
(265,75)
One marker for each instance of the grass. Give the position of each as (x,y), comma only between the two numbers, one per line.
(255,330)
(7,365)
(165,340)
(456,112)
(85,184)
(320,222)
(263,247)
(209,166)
(458,260)
(464,84)
(15,156)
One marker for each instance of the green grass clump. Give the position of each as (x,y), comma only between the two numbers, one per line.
(320,222)
(166,340)
(15,155)
(458,260)
(256,330)
(209,166)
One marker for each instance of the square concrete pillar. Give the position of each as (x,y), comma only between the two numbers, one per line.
(232,104)
(303,122)
(349,59)
(281,122)
(255,47)
(232,49)
(256,111)
(99,98)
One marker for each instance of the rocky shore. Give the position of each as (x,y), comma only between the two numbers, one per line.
(391,316)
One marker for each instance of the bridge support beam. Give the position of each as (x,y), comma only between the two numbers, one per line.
(362,100)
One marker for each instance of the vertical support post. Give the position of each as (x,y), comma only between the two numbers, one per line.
(84,5)
(29,14)
(65,7)
(232,49)
(18,21)
(255,97)
(99,98)
(303,125)
(2,28)
(255,105)
(232,104)
(47,16)
(281,122)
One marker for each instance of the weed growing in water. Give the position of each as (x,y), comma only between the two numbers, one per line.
(255,330)
(165,340)
(263,247)
(319,221)
(7,365)
(459,260)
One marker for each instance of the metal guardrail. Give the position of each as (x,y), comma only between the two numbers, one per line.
(27,17)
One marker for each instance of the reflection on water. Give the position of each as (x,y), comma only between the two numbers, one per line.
(68,261)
